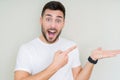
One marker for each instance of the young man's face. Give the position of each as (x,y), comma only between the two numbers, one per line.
(52,23)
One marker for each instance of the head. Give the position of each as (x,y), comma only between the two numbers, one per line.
(52,21)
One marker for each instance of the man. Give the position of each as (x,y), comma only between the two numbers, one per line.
(50,57)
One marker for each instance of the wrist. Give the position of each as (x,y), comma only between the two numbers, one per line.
(54,67)
(93,57)
(92,60)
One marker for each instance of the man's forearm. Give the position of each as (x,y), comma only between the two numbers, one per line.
(96,55)
(44,75)
(86,72)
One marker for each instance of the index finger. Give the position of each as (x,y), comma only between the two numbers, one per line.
(70,49)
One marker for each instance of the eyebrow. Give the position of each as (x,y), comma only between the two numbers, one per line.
(51,15)
(48,15)
(59,16)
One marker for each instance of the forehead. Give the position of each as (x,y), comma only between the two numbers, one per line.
(53,13)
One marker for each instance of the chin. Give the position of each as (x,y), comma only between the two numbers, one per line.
(51,41)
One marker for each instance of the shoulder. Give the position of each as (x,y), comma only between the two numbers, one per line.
(29,45)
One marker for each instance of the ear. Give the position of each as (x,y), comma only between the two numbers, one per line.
(41,20)
(63,23)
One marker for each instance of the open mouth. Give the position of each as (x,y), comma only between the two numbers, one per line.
(52,32)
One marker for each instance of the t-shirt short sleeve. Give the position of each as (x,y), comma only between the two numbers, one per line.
(23,60)
(76,58)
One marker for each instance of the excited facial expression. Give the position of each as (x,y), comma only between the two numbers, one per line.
(52,23)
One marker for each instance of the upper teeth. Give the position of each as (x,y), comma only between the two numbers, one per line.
(52,31)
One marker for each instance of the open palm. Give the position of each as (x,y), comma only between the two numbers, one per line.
(99,53)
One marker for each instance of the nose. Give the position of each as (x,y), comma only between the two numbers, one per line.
(53,24)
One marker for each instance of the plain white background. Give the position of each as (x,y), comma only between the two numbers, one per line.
(91,23)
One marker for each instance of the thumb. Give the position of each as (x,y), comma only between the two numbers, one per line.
(58,52)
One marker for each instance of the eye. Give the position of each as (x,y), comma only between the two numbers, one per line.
(48,19)
(58,20)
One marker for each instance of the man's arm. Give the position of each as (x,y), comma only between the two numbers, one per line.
(60,59)
(84,73)
(44,75)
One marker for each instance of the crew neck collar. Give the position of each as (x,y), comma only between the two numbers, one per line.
(46,44)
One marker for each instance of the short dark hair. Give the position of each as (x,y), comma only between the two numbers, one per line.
(54,5)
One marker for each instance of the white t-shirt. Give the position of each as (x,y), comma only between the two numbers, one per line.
(35,56)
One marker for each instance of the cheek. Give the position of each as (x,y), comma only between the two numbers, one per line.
(60,27)
(44,26)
